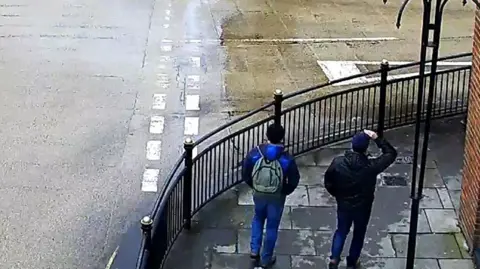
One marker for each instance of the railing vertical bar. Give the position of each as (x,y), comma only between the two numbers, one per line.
(346,114)
(402,112)
(465,82)
(288,127)
(356,111)
(304,135)
(446,91)
(341,119)
(334,120)
(207,176)
(438,89)
(368,108)
(195,184)
(325,109)
(374,105)
(215,171)
(314,127)
(397,92)
(350,118)
(310,128)
(457,91)
(390,92)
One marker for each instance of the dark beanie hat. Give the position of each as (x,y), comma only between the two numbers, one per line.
(360,142)
(275,133)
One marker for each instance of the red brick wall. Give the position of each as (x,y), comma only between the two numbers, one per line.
(470,197)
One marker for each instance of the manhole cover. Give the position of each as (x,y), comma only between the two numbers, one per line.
(404,160)
(394,180)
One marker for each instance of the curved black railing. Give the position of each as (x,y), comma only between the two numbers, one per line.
(314,122)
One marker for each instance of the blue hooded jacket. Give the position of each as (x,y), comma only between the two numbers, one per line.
(272,152)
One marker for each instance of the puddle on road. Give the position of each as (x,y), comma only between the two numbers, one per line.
(254,71)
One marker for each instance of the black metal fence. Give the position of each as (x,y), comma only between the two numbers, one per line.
(382,104)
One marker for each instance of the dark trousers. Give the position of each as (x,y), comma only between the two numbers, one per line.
(345,218)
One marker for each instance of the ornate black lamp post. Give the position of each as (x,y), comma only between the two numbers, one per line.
(433,44)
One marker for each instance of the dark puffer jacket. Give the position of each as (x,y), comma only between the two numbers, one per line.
(352,178)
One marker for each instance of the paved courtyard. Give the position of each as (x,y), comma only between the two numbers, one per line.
(220,236)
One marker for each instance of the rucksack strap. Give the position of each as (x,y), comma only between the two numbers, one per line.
(268,161)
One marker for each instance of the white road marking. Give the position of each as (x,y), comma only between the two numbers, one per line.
(195,61)
(191,125)
(157,124)
(402,63)
(167,11)
(194,152)
(150,180)
(163,61)
(311,40)
(167,18)
(335,70)
(167,41)
(162,78)
(163,81)
(194,41)
(193,82)
(338,69)
(159,101)
(166,25)
(154,148)
(377,79)
(163,85)
(192,102)
(166,48)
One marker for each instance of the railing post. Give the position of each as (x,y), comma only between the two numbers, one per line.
(384,66)
(278,97)
(187,183)
(146,224)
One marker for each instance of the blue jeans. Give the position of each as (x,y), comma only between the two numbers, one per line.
(359,218)
(271,211)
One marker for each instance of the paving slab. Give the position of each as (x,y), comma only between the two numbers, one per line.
(396,263)
(235,261)
(456,264)
(432,246)
(312,175)
(442,220)
(314,218)
(319,196)
(445,198)
(430,199)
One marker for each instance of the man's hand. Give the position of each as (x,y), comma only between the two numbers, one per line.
(371,133)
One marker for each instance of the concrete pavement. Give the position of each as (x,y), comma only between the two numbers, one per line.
(220,237)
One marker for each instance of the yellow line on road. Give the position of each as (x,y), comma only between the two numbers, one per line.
(112,258)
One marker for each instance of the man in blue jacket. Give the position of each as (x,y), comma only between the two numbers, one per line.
(272,174)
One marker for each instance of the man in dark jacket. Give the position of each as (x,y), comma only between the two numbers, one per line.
(272,174)
(352,179)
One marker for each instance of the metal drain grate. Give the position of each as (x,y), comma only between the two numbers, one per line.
(404,160)
(394,180)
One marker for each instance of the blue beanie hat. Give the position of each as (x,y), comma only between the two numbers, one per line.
(360,142)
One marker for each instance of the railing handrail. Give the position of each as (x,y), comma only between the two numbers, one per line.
(172,180)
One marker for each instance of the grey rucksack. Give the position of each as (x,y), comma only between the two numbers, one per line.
(267,175)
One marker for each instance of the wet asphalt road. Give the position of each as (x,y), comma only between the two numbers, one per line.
(82,79)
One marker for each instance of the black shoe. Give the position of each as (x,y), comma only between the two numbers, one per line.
(355,266)
(272,261)
(254,256)
(333,265)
